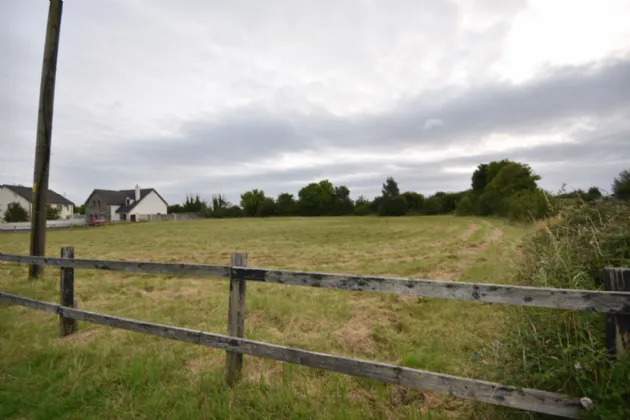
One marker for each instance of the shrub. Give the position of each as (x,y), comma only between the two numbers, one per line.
(362,210)
(465,206)
(393,206)
(266,208)
(234,211)
(529,205)
(565,351)
(15,213)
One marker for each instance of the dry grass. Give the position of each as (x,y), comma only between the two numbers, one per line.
(121,374)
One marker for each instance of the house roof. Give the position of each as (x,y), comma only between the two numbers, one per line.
(27,194)
(119,198)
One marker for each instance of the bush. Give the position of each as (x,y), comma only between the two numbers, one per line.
(362,210)
(465,206)
(393,206)
(266,208)
(529,205)
(565,351)
(15,213)
(234,211)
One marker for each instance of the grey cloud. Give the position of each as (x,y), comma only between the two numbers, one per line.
(252,133)
(159,93)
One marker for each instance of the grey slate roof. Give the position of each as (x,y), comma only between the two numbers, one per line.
(119,198)
(27,193)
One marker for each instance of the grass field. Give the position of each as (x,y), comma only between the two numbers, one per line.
(106,373)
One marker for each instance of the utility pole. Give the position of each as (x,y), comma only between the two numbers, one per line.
(44,133)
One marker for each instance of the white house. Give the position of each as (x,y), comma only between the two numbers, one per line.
(113,205)
(24,196)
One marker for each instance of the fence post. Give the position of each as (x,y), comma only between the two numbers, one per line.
(617,326)
(66,290)
(236,318)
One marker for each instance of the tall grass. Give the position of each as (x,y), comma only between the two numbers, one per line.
(565,351)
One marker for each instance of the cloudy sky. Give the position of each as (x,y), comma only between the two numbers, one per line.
(209,96)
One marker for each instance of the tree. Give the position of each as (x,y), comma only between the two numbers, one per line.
(621,185)
(251,200)
(266,208)
(512,178)
(316,199)
(593,193)
(52,213)
(361,200)
(393,206)
(480,179)
(414,201)
(80,209)
(433,204)
(193,204)
(342,203)
(15,213)
(219,202)
(285,205)
(390,188)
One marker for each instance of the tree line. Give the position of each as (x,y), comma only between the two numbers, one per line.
(502,188)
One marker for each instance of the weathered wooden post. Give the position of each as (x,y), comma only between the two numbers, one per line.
(236,317)
(617,326)
(66,291)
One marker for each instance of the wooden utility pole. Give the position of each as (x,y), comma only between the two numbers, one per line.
(44,133)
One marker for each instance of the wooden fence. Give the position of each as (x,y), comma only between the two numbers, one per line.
(614,303)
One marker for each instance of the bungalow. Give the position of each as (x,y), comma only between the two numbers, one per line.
(24,196)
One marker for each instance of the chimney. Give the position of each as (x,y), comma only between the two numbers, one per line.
(137,193)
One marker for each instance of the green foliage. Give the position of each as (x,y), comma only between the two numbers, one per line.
(234,211)
(390,188)
(466,205)
(316,199)
(594,193)
(52,213)
(251,200)
(286,205)
(621,185)
(565,351)
(266,208)
(361,200)
(393,206)
(499,188)
(533,204)
(362,210)
(15,213)
(192,204)
(80,209)
(433,204)
(480,179)
(415,201)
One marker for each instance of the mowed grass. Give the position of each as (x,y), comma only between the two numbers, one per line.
(106,373)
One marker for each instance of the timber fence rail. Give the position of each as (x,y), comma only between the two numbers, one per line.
(614,303)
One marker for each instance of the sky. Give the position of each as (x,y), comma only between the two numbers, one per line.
(205,96)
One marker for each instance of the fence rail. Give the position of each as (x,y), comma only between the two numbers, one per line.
(610,302)
(615,304)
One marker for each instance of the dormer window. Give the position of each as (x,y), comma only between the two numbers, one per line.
(128,201)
